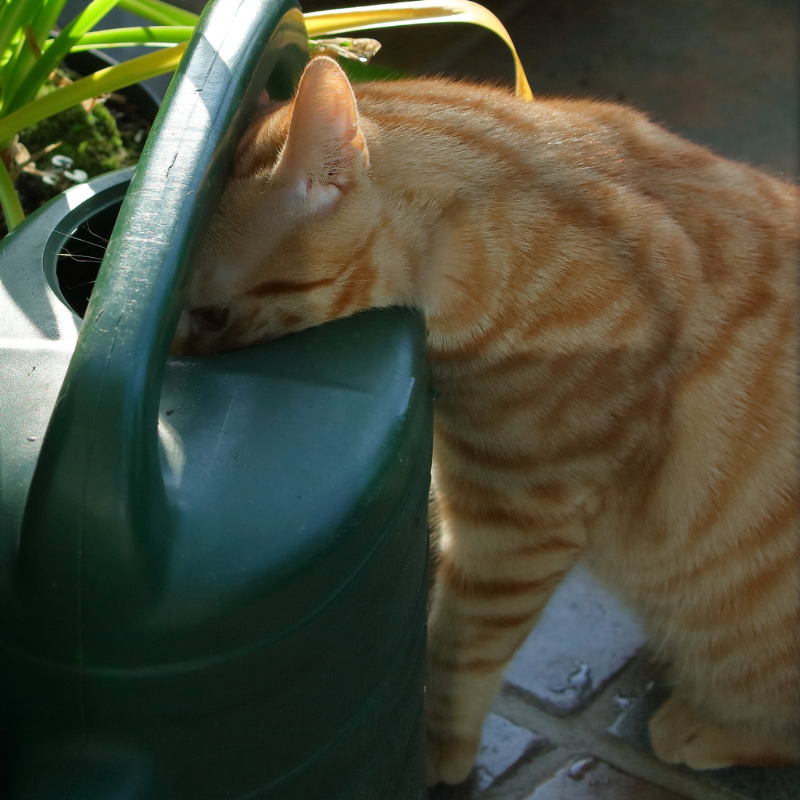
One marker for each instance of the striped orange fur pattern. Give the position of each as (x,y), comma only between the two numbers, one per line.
(612,317)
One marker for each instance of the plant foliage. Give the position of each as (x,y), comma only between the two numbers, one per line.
(30,52)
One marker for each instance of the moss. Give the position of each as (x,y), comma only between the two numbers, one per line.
(90,139)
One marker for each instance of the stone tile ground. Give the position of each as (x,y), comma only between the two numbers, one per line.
(570,723)
(593,779)
(564,666)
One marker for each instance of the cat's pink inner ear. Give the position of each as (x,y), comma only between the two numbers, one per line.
(325,146)
(263,103)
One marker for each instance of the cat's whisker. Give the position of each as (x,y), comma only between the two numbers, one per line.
(99,237)
(81,257)
(74,238)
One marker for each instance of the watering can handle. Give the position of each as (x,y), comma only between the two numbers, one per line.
(97,508)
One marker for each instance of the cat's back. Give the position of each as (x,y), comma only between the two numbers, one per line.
(596,171)
(598,209)
(557,137)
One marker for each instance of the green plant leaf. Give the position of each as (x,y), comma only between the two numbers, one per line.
(40,23)
(134,37)
(12,18)
(101,82)
(55,51)
(159,12)
(46,19)
(15,17)
(9,202)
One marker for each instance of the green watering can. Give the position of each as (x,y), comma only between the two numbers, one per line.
(212,571)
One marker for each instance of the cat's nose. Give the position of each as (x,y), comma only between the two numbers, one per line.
(197,330)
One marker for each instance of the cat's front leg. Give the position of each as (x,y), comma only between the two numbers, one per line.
(492,582)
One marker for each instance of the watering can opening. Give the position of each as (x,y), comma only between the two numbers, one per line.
(80,256)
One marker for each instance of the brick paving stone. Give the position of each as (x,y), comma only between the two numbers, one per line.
(591,779)
(503,745)
(745,782)
(585,636)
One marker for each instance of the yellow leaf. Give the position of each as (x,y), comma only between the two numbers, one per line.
(418,12)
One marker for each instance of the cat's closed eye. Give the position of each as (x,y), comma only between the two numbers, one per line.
(209,318)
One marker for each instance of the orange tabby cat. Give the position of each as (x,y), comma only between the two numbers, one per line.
(612,319)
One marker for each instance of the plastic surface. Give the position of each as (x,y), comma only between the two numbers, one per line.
(212,576)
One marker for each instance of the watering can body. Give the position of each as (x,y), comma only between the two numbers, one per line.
(212,571)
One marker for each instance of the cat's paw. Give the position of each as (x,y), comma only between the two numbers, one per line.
(448,760)
(680,735)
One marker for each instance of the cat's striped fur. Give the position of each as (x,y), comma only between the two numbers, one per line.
(612,316)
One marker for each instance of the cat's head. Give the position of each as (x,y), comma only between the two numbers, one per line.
(281,252)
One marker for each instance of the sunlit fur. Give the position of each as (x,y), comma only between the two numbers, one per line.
(612,319)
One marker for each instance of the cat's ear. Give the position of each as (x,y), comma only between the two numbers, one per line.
(325,150)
